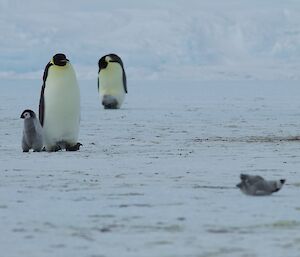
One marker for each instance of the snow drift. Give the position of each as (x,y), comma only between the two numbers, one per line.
(161,39)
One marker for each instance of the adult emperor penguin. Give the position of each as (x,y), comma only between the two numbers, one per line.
(256,185)
(112,85)
(32,132)
(59,110)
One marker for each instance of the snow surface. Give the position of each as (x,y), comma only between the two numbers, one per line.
(157,177)
(177,39)
(213,92)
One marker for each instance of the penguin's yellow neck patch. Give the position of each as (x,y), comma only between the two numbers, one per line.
(108,59)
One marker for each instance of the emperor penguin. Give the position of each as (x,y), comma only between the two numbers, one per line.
(256,185)
(59,109)
(32,132)
(112,85)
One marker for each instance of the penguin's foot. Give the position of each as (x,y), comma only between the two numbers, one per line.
(110,106)
(74,147)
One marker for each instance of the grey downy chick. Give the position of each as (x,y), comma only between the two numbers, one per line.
(32,132)
(109,102)
(256,185)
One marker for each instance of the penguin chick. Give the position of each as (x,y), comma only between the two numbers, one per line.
(32,132)
(112,85)
(109,102)
(256,185)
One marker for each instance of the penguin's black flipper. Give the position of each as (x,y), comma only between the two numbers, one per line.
(124,79)
(42,101)
(42,106)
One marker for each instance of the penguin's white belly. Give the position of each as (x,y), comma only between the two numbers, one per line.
(62,109)
(111,83)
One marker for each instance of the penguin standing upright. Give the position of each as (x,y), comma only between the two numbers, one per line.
(32,132)
(59,109)
(112,85)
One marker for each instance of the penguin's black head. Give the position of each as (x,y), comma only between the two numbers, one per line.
(114,58)
(27,114)
(102,63)
(104,60)
(60,59)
